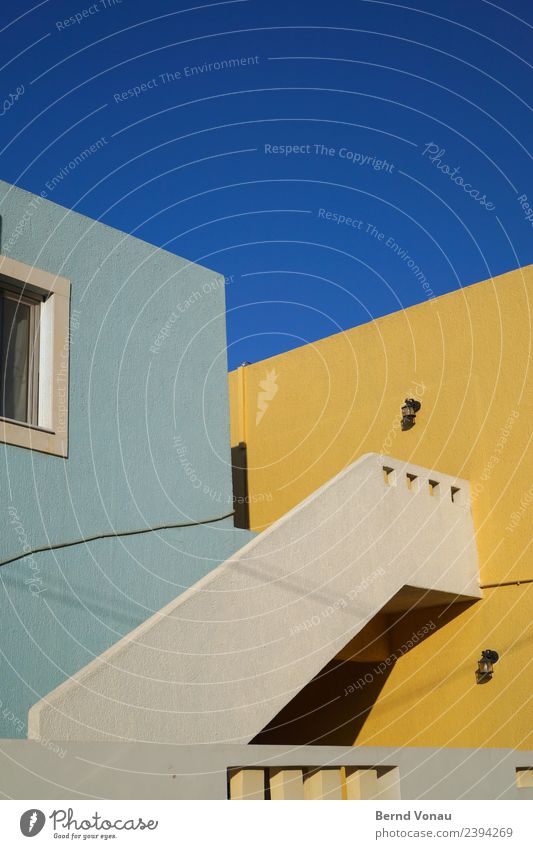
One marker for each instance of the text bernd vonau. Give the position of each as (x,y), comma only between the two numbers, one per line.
(417,815)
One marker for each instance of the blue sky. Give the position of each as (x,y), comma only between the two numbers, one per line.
(408,172)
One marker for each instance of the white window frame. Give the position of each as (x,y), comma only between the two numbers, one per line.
(50,433)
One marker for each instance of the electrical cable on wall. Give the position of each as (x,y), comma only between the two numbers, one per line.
(113,534)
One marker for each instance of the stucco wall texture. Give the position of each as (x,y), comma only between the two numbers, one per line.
(219,662)
(29,770)
(467,357)
(148,445)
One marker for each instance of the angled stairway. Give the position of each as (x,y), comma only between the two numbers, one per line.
(221,660)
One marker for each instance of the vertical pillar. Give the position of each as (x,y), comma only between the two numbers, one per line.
(323,784)
(389,784)
(239,456)
(361,783)
(242,403)
(247,784)
(286,784)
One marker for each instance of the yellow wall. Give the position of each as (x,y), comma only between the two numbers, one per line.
(312,411)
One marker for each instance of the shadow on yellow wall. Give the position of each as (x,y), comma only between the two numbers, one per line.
(306,414)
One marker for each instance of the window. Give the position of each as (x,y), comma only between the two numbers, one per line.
(34,357)
(19,356)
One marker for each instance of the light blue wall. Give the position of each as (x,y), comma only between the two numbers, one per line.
(126,469)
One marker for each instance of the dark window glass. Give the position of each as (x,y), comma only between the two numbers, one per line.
(18,358)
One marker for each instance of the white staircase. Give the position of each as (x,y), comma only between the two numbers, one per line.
(221,660)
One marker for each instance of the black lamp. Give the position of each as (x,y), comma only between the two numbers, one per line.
(485,666)
(409,411)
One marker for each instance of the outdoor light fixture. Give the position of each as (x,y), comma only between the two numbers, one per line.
(409,411)
(486,666)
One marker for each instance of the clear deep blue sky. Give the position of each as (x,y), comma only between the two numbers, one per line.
(183,165)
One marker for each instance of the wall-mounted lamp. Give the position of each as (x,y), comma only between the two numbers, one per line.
(486,665)
(409,411)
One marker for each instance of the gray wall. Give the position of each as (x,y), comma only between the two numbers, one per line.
(56,770)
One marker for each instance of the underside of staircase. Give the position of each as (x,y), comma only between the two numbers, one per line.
(221,660)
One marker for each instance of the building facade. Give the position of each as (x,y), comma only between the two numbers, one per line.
(307,414)
(327,646)
(138,439)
